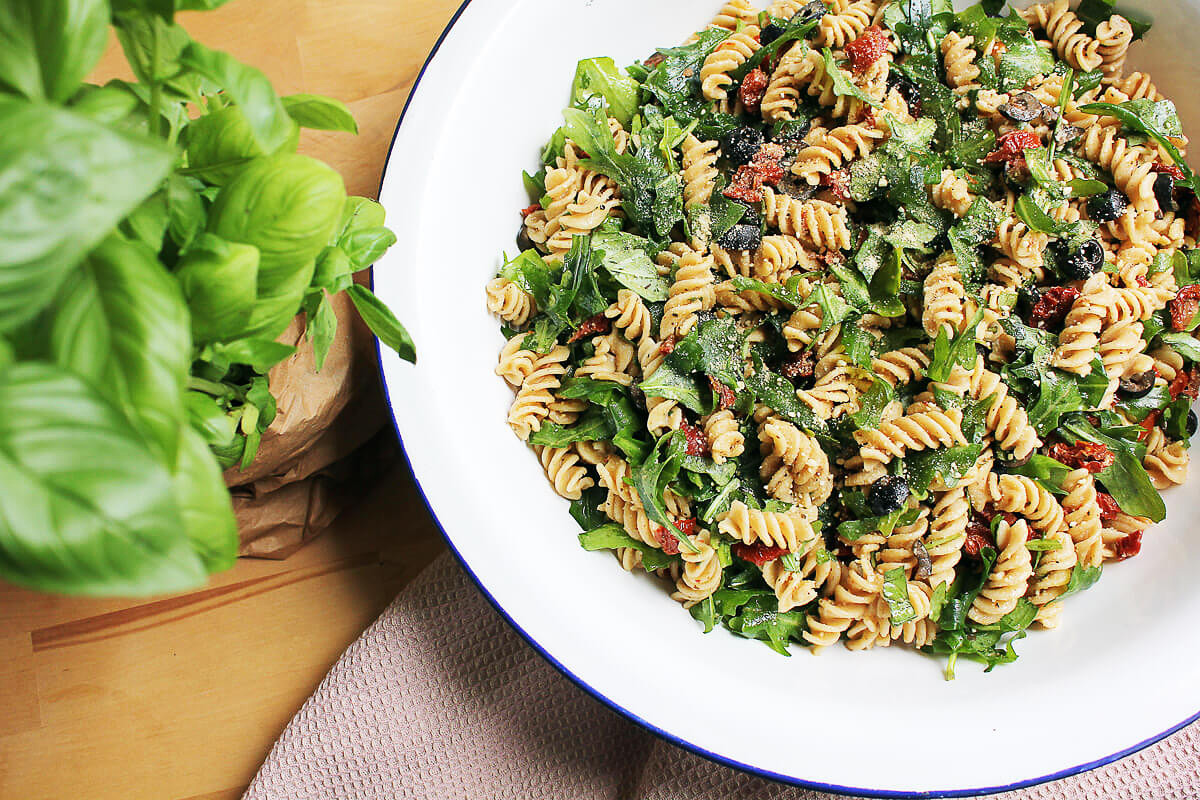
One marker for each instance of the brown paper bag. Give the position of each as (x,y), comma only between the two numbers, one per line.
(305,472)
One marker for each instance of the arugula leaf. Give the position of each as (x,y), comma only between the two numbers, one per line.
(1038,220)
(714,348)
(949,464)
(1082,579)
(1021,59)
(1183,343)
(1126,479)
(1050,473)
(842,85)
(600,78)
(1138,408)
(947,352)
(612,536)
(586,510)
(530,271)
(760,618)
(855,529)
(785,293)
(675,83)
(872,403)
(1137,118)
(594,425)
(1093,12)
(777,392)
(650,479)
(895,594)
(626,257)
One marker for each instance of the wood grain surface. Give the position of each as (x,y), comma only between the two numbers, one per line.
(182,697)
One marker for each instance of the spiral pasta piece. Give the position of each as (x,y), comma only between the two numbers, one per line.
(790,530)
(778,257)
(1025,496)
(603,364)
(1131,167)
(795,468)
(516,362)
(532,403)
(834,149)
(1063,27)
(725,439)
(568,477)
(947,534)
(701,573)
(944,295)
(1082,514)
(1009,578)
(816,223)
(1051,578)
(952,193)
(729,55)
(691,293)
(792,589)
(699,170)
(510,302)
(836,30)
(897,367)
(921,431)
(1165,461)
(1115,35)
(958,55)
(734,13)
(1081,329)
(850,601)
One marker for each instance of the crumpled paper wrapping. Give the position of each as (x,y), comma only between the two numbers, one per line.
(307,469)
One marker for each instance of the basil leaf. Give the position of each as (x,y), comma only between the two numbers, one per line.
(65,182)
(1126,479)
(382,322)
(48,47)
(319,113)
(261,355)
(1183,343)
(1047,471)
(69,522)
(204,506)
(121,323)
(249,88)
(1082,579)
(1093,12)
(218,278)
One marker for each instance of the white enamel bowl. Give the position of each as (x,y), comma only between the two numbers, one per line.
(1120,674)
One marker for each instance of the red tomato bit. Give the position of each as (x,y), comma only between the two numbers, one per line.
(697,440)
(766,163)
(869,47)
(746,185)
(1091,456)
(1148,424)
(1183,308)
(800,365)
(838,183)
(1129,546)
(979,536)
(1052,307)
(525,212)
(687,526)
(1108,506)
(757,554)
(668,541)
(1171,169)
(596,324)
(1011,146)
(1185,383)
(753,88)
(725,396)
(668,345)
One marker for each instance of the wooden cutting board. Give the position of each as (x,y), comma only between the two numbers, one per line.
(182,697)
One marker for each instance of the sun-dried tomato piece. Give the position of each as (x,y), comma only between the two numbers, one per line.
(1183,308)
(1171,169)
(1052,307)
(1142,282)
(725,396)
(979,536)
(766,163)
(668,541)
(687,526)
(697,440)
(1185,384)
(591,325)
(869,47)
(1108,506)
(525,212)
(1092,456)
(838,183)
(747,185)
(1011,146)
(1148,424)
(668,345)
(753,88)
(1128,546)
(800,365)
(757,554)
(654,60)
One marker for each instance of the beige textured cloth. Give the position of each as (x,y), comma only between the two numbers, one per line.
(440,698)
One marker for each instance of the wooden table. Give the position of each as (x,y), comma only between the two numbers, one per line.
(182,697)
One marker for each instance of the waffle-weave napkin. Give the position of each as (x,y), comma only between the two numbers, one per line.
(440,698)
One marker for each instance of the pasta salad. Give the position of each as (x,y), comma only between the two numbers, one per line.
(863,321)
